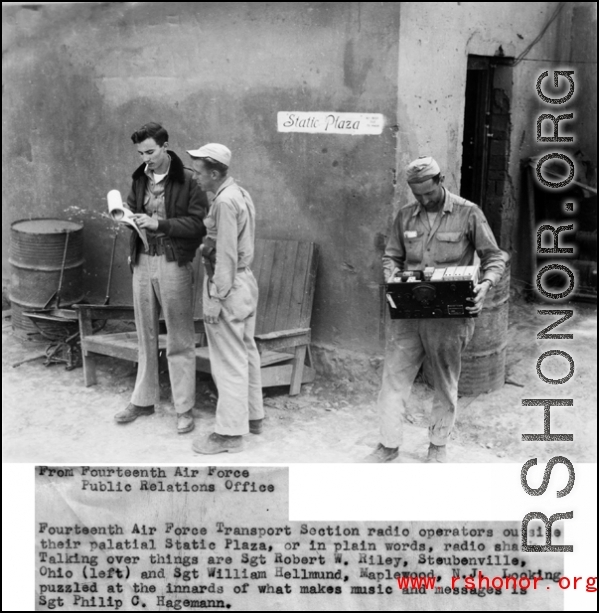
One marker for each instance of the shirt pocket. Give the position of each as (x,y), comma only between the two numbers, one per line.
(414,247)
(450,246)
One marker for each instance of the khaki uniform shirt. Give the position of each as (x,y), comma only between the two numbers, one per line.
(154,204)
(459,231)
(231,222)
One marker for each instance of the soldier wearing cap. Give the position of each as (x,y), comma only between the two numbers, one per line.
(230,299)
(439,229)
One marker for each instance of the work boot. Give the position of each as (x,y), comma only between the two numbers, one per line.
(382,454)
(256,426)
(132,412)
(185,422)
(437,453)
(218,443)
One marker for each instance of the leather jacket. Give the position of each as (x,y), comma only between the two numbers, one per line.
(186,206)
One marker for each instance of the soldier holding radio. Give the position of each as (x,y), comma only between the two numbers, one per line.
(438,229)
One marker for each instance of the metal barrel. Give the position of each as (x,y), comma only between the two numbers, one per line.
(37,252)
(483,361)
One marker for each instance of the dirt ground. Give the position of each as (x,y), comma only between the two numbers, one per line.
(50,416)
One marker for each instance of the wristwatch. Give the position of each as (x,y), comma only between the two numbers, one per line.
(489,282)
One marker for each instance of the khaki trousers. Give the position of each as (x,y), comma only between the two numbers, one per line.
(234,357)
(158,284)
(408,341)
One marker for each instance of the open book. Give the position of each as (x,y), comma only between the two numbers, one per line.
(120,213)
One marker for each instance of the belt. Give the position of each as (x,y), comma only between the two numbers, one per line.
(242,269)
(156,245)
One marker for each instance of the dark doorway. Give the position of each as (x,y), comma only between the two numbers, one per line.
(475,146)
(485,146)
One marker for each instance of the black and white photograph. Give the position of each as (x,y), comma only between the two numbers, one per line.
(352,238)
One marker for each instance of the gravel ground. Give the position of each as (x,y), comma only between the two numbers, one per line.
(50,416)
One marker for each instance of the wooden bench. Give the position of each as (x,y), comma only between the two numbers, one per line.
(286,275)
(121,345)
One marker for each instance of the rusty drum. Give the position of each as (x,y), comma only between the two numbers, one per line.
(46,257)
(483,362)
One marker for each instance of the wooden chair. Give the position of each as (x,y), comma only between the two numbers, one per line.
(286,274)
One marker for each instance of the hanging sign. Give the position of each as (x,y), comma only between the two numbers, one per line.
(330,123)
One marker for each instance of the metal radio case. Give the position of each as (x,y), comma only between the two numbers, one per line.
(429,299)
